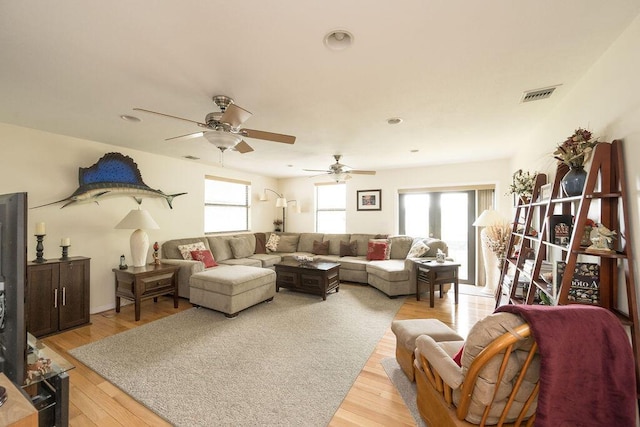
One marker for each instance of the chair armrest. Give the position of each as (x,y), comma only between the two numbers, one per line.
(440,360)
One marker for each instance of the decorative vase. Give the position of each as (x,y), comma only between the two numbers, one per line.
(574,180)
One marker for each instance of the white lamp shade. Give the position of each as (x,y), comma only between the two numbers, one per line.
(488,217)
(139,220)
(281,202)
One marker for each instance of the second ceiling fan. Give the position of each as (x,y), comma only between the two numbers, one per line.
(223,130)
(341,172)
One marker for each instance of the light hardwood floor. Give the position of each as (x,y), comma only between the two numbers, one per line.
(372,400)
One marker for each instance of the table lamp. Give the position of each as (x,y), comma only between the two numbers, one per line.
(138,220)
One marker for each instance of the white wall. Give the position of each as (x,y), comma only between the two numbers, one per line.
(46,166)
(607,102)
(496,172)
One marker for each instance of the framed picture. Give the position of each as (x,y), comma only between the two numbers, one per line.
(545,191)
(560,229)
(369,200)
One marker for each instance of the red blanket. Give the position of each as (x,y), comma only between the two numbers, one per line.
(587,368)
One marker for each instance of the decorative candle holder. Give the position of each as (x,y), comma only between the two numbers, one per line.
(65,252)
(39,248)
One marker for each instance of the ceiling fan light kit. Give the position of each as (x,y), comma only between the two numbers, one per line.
(223,127)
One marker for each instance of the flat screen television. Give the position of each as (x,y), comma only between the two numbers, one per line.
(13,266)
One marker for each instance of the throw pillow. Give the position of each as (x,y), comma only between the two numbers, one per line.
(240,247)
(418,250)
(272,243)
(378,250)
(458,356)
(320,248)
(185,250)
(288,243)
(205,257)
(349,249)
(261,243)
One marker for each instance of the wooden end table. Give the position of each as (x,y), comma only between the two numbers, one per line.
(150,281)
(436,274)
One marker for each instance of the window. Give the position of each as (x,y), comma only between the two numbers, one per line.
(226,205)
(331,208)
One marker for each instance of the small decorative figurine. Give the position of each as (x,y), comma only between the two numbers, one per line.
(156,258)
(122,266)
(601,239)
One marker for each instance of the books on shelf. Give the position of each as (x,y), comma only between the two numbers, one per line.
(585,284)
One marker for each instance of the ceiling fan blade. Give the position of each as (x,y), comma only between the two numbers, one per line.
(187,136)
(362,172)
(243,147)
(269,136)
(316,170)
(172,117)
(235,115)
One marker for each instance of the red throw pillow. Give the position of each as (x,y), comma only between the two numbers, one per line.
(458,356)
(206,257)
(377,250)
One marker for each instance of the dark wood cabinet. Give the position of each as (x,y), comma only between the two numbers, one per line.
(57,295)
(316,278)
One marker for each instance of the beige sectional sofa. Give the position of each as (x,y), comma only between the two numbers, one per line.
(394,276)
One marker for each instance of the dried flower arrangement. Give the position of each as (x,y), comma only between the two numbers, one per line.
(277,222)
(522,183)
(497,237)
(576,149)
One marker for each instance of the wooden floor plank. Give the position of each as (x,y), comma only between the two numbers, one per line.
(372,401)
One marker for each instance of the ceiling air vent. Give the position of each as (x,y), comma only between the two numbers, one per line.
(191,157)
(535,95)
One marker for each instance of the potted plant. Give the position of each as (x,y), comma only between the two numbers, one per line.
(574,152)
(522,184)
(277,224)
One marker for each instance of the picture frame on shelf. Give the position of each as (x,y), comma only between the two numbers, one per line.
(545,191)
(585,283)
(369,200)
(560,229)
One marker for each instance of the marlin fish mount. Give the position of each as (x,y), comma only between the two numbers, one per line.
(113,175)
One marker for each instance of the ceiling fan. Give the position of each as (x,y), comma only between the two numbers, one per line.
(223,130)
(341,172)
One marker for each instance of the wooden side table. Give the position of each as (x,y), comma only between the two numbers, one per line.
(150,281)
(436,274)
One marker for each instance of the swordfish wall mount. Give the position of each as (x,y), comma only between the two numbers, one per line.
(114,175)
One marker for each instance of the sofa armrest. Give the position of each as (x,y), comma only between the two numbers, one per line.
(440,360)
(187,269)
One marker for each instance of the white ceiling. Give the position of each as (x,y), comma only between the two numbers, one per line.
(454,70)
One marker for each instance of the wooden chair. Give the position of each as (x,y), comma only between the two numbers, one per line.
(497,383)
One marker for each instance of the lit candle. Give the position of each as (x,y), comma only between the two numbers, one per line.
(40,229)
(65,242)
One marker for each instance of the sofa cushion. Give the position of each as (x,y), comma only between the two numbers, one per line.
(378,249)
(349,249)
(363,240)
(400,246)
(267,260)
(334,242)
(320,248)
(240,247)
(261,243)
(391,270)
(185,250)
(288,243)
(220,248)
(305,243)
(272,243)
(353,263)
(418,249)
(205,257)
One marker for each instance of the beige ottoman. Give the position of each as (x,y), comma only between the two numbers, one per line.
(406,332)
(231,289)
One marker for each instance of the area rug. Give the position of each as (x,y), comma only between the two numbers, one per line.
(406,388)
(288,362)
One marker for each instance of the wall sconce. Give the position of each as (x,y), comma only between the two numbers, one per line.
(281,202)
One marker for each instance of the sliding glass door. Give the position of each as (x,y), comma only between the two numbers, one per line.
(443,215)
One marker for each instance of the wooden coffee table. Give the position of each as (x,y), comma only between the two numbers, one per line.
(318,278)
(436,274)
